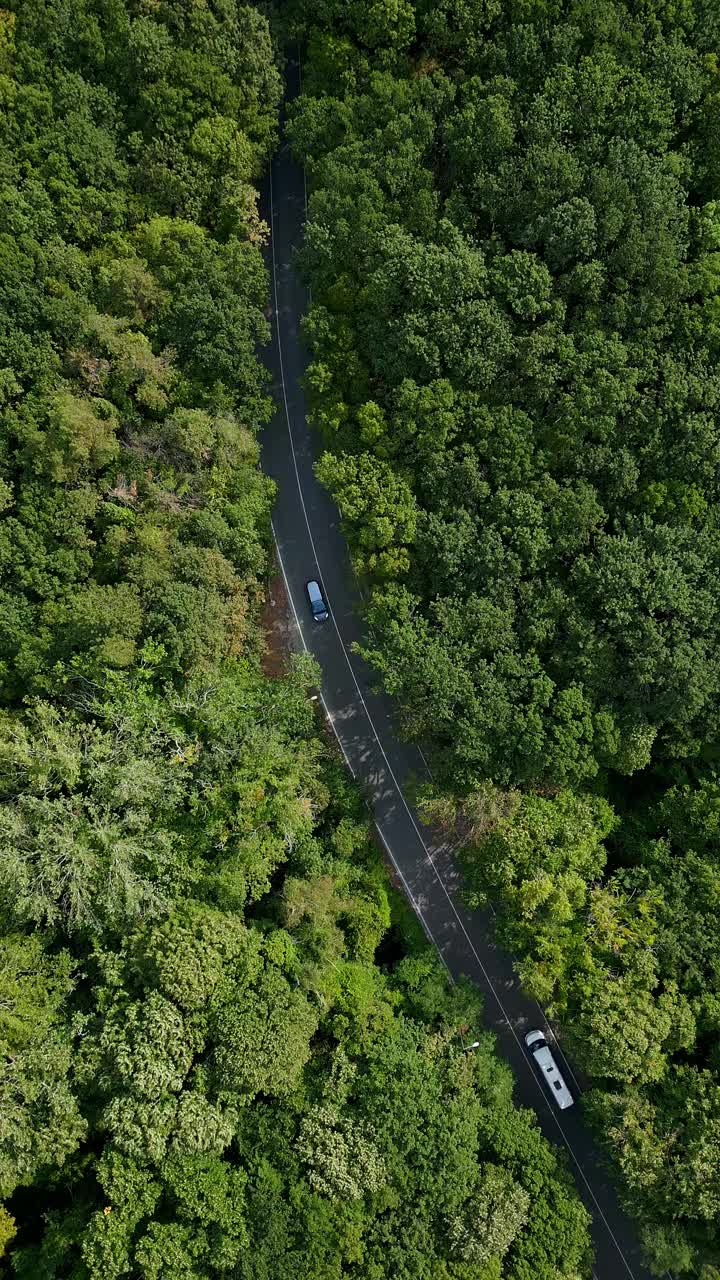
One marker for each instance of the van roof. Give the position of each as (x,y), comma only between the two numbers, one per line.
(553,1076)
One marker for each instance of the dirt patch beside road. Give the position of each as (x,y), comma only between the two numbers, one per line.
(278,624)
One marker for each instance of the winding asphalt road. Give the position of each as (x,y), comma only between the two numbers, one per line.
(311,544)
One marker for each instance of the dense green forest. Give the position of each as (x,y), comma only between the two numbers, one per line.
(226,1048)
(514,252)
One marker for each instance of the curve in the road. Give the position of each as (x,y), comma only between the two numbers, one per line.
(310,543)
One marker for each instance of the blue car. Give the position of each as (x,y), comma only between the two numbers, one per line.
(318,606)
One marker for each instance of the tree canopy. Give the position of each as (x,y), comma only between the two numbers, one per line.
(226,1050)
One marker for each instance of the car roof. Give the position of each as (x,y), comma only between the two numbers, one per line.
(313,589)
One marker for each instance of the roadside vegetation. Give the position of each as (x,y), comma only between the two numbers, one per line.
(514,252)
(226,1050)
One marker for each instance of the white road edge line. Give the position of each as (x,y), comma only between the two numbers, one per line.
(399,790)
(415,905)
(430,774)
(325,708)
(541,1011)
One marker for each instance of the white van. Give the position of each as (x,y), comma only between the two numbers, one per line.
(546,1064)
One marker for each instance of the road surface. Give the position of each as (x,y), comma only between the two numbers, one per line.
(311,544)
